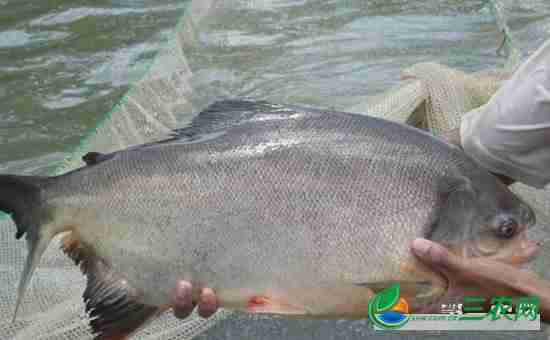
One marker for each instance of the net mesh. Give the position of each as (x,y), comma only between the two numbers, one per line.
(431,96)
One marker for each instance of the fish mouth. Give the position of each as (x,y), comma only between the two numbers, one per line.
(521,251)
(459,285)
(517,251)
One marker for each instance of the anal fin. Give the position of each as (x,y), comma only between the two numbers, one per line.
(111,302)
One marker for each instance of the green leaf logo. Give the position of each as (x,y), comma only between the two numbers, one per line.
(387,298)
(380,309)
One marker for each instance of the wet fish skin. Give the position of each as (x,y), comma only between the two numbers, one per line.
(303,208)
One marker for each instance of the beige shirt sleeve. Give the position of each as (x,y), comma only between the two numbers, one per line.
(510,135)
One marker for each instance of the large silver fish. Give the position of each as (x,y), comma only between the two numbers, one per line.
(281,210)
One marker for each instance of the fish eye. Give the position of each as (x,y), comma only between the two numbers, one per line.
(507,228)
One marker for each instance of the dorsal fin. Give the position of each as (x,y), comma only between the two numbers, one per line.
(224,114)
(111,302)
(215,118)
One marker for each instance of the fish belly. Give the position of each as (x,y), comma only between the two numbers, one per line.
(316,269)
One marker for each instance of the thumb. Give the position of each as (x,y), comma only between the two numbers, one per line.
(435,254)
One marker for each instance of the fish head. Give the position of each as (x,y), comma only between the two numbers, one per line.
(487,221)
(498,227)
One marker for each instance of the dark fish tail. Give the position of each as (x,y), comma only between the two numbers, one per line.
(19,197)
(111,302)
(22,198)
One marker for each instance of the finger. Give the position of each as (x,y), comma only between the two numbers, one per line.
(495,274)
(208,303)
(182,300)
(436,255)
(487,273)
(477,269)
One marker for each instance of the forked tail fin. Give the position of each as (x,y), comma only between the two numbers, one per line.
(22,198)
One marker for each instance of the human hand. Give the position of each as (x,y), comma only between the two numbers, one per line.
(183,302)
(491,275)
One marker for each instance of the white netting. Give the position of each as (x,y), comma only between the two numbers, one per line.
(431,95)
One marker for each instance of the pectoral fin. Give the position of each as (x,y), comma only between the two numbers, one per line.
(111,303)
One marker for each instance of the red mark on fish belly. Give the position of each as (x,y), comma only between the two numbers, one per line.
(273,305)
(257,302)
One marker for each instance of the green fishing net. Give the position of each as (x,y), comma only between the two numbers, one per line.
(182,81)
